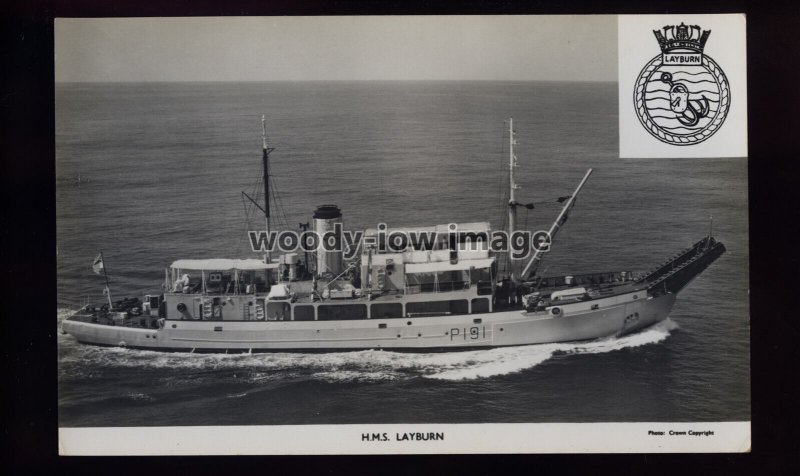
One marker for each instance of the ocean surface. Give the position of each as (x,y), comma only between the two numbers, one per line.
(150,173)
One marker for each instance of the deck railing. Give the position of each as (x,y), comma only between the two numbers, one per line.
(446,287)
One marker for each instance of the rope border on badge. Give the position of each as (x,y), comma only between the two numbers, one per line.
(706,132)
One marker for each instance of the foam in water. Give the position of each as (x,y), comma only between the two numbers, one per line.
(502,361)
(64,313)
(366,365)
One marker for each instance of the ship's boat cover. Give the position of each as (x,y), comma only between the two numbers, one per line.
(567,293)
(278,291)
(220,264)
(442,266)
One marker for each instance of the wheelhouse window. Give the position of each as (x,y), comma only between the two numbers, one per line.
(218,282)
(453,280)
(442,281)
(482,279)
(421,282)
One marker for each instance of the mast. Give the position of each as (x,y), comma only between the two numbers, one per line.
(512,186)
(533,264)
(265,159)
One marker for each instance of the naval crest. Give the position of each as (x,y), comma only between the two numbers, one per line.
(682,96)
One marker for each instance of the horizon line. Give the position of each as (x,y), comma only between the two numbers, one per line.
(337,81)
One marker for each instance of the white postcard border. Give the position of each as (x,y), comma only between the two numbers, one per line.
(489,438)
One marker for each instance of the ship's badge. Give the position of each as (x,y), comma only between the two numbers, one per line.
(682,96)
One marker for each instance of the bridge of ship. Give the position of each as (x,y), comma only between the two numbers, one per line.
(216,287)
(411,283)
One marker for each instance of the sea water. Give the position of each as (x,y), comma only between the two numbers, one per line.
(153,172)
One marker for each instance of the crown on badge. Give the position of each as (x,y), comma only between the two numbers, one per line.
(682,38)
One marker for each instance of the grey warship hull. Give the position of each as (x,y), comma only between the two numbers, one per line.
(619,308)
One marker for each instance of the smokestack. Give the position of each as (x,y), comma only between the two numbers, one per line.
(325,219)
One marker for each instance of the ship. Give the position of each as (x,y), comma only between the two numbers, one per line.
(453,292)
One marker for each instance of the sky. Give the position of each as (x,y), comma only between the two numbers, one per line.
(513,48)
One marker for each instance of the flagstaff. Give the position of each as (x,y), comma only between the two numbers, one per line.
(100,265)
